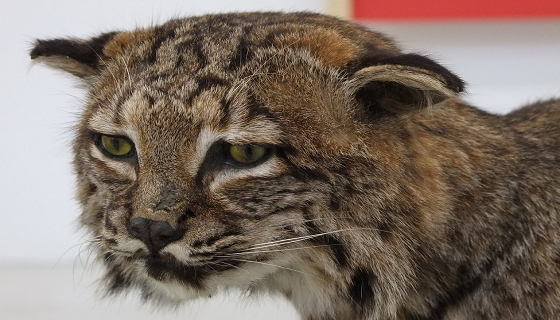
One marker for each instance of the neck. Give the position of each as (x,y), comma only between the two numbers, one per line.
(427,220)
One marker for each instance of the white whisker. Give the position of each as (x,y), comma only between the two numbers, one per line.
(125,64)
(111,72)
(80,245)
(302,238)
(275,266)
(238,268)
(278,250)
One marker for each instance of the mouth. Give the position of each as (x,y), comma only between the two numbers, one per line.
(165,267)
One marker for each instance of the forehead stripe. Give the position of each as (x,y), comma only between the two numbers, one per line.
(194,46)
(161,34)
(242,54)
(205,83)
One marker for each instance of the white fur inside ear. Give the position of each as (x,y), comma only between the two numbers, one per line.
(66,64)
(429,84)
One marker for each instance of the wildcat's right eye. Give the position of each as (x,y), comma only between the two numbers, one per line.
(247,154)
(114,146)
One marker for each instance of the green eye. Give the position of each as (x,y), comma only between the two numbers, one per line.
(247,154)
(116,146)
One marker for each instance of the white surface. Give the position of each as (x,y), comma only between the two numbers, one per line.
(505,65)
(38,107)
(68,294)
(38,238)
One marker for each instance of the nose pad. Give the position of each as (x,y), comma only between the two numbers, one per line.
(155,234)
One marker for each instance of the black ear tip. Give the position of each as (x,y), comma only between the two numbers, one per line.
(45,48)
(87,52)
(38,49)
(452,81)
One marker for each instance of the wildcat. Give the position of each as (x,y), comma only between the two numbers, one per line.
(301,155)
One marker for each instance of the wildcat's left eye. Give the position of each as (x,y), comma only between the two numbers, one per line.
(115,146)
(248,153)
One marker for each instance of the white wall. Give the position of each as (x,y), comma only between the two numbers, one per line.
(506,64)
(38,107)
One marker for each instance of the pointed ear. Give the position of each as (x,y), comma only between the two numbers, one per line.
(401,83)
(82,58)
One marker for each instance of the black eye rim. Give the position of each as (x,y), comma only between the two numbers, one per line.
(217,158)
(97,140)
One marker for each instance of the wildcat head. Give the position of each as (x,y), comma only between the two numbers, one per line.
(238,150)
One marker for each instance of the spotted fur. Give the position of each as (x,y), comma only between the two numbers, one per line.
(383,195)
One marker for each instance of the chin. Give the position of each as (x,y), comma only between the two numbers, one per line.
(166,281)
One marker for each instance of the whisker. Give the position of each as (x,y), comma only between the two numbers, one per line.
(125,64)
(275,266)
(349,217)
(238,268)
(84,246)
(303,238)
(283,241)
(280,250)
(72,247)
(239,284)
(103,60)
(89,245)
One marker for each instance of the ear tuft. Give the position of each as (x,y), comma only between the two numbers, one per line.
(78,57)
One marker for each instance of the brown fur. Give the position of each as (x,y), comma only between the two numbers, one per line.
(383,195)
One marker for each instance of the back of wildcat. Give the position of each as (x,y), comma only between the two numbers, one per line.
(502,242)
(302,155)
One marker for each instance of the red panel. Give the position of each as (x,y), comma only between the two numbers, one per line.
(455,9)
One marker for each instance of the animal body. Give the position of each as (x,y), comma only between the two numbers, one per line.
(301,155)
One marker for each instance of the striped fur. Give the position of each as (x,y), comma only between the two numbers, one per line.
(383,195)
